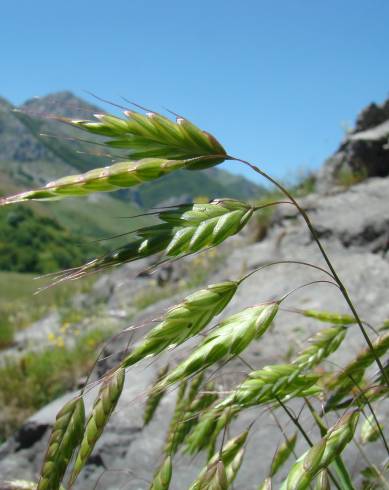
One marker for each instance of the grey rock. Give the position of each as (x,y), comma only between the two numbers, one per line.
(363,152)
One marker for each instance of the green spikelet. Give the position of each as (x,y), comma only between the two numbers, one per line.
(184,320)
(229,339)
(282,381)
(66,435)
(203,431)
(328,317)
(214,478)
(195,386)
(223,420)
(104,405)
(153,135)
(173,433)
(163,476)
(233,468)
(154,397)
(117,176)
(321,455)
(209,426)
(185,229)
(344,381)
(322,345)
(323,481)
(369,430)
(231,456)
(154,146)
(282,454)
(192,413)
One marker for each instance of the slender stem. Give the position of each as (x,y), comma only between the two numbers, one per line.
(324,254)
(278,423)
(277,262)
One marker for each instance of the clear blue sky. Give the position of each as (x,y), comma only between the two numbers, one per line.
(273,80)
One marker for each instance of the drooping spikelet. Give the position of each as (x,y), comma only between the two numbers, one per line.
(172,436)
(324,343)
(282,381)
(185,229)
(184,320)
(153,135)
(282,454)
(231,455)
(345,380)
(233,468)
(192,413)
(329,317)
(154,146)
(227,340)
(369,430)
(214,478)
(66,435)
(154,396)
(103,407)
(107,179)
(321,455)
(206,431)
(161,480)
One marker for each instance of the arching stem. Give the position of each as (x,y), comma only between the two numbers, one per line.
(314,234)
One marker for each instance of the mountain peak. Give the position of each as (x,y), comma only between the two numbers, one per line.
(63,103)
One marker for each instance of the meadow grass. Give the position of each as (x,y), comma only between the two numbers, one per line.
(36,378)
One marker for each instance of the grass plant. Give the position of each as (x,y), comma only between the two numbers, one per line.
(153,146)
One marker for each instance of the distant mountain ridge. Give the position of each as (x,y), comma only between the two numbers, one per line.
(30,158)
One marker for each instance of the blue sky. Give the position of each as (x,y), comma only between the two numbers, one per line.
(276,81)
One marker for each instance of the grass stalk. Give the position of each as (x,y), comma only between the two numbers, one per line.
(315,236)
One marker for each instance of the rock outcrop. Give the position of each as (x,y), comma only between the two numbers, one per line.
(364,151)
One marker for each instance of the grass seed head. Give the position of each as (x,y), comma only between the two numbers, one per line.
(324,343)
(329,317)
(227,340)
(281,381)
(345,380)
(282,454)
(107,179)
(214,478)
(184,320)
(65,437)
(321,455)
(154,396)
(103,407)
(369,430)
(184,230)
(153,135)
(233,468)
(163,476)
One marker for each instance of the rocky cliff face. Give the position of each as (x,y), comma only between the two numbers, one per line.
(364,151)
(354,227)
